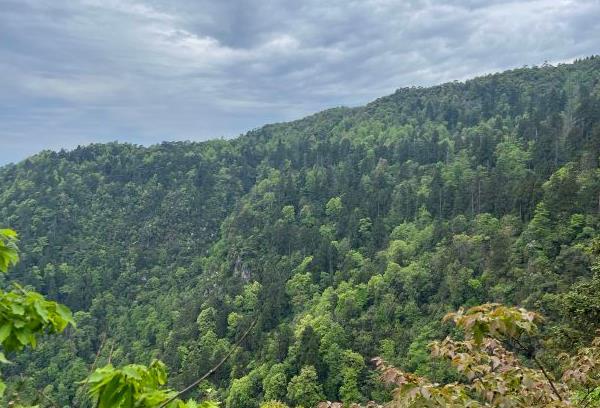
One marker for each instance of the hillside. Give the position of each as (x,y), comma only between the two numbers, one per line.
(347,234)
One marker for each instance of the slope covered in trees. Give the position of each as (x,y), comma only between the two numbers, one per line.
(347,235)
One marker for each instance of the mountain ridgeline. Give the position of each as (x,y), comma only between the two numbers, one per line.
(345,235)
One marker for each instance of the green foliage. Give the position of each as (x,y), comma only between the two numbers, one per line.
(273,404)
(495,320)
(304,389)
(9,254)
(352,368)
(364,224)
(24,315)
(334,207)
(129,386)
(300,288)
(135,385)
(275,383)
(206,320)
(243,392)
(495,376)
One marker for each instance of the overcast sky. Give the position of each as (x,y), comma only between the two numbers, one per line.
(79,71)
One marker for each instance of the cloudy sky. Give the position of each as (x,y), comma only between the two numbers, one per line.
(80,71)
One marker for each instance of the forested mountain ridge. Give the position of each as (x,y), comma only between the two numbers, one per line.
(348,234)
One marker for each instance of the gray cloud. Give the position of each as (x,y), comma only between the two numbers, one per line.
(145,71)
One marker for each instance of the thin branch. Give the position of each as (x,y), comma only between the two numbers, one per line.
(589,392)
(540,366)
(93,367)
(212,370)
(110,353)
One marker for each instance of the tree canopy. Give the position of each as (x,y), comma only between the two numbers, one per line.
(344,236)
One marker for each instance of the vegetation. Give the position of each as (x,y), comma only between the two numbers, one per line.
(494,376)
(136,386)
(24,314)
(344,236)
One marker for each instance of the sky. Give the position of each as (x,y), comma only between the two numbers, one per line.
(74,72)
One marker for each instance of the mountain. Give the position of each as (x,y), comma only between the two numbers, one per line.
(346,235)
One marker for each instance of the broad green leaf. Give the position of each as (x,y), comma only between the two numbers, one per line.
(5,330)
(131,372)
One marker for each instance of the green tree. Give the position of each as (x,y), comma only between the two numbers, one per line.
(24,315)
(244,392)
(304,389)
(494,375)
(300,288)
(353,365)
(275,383)
(273,404)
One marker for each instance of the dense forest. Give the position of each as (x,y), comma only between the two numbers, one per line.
(340,237)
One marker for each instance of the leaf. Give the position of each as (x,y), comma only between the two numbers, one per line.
(65,313)
(41,310)
(5,330)
(9,254)
(97,376)
(18,324)
(23,337)
(8,233)
(131,372)
(17,309)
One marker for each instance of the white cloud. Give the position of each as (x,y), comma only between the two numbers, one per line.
(146,70)
(79,90)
